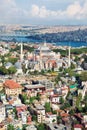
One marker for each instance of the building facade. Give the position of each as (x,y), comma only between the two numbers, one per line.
(12,88)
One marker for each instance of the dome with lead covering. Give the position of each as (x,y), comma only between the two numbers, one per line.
(43,48)
(18,65)
(8,64)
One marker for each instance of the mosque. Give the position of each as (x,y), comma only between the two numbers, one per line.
(44,59)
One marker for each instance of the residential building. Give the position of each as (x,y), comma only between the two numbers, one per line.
(54,126)
(51,118)
(78,127)
(2,113)
(33,89)
(39,111)
(12,88)
(31,127)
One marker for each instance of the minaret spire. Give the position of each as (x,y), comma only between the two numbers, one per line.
(21,52)
(45,44)
(69,60)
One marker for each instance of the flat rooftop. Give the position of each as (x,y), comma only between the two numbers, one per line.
(34,86)
(56,127)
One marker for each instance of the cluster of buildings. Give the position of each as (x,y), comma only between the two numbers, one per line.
(17,90)
(42,58)
(10,102)
(14,111)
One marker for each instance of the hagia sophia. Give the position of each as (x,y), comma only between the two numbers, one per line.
(43,58)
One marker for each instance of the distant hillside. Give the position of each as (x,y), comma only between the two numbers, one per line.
(73,36)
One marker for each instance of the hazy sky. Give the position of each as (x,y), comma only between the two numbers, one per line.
(43,12)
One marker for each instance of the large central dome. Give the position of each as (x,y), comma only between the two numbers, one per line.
(43,48)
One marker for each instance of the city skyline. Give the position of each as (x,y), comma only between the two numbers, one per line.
(43,12)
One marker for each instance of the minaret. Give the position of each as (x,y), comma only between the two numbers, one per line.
(45,44)
(21,52)
(69,60)
(40,59)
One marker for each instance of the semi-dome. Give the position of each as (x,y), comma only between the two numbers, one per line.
(8,64)
(18,65)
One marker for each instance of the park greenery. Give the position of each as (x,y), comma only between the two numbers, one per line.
(75,51)
(61,100)
(7,58)
(10,70)
(25,47)
(10,127)
(83,76)
(47,107)
(78,101)
(29,100)
(41,127)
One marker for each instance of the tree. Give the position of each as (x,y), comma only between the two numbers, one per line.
(65,105)
(12,70)
(60,69)
(59,118)
(38,97)
(53,120)
(24,127)
(32,99)
(34,117)
(57,79)
(83,76)
(72,66)
(10,127)
(15,112)
(76,58)
(42,72)
(54,112)
(69,71)
(47,107)
(24,98)
(3,70)
(85,97)
(79,98)
(71,112)
(61,100)
(85,108)
(13,60)
(41,127)
(35,72)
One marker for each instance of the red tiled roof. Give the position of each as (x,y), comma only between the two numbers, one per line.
(78,126)
(65,119)
(79,115)
(11,84)
(64,114)
(11,102)
(55,95)
(49,113)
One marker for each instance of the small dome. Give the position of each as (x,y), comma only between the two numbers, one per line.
(8,64)
(18,65)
